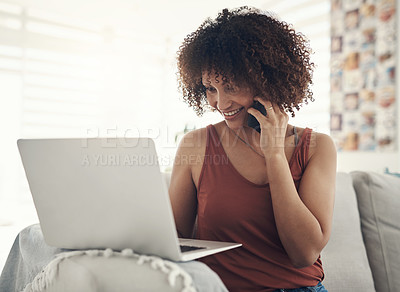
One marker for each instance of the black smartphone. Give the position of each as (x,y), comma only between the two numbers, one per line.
(252,121)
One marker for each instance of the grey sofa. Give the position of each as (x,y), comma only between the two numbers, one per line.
(363,253)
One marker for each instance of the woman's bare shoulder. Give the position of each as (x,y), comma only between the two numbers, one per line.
(194,139)
(192,147)
(321,143)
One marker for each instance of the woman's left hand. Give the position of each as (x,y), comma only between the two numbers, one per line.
(273,127)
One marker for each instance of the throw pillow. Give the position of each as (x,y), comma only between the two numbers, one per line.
(378,197)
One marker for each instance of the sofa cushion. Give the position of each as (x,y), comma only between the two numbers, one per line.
(378,197)
(344,258)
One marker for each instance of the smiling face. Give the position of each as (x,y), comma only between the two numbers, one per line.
(230,100)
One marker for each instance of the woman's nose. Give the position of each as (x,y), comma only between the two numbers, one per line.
(223,101)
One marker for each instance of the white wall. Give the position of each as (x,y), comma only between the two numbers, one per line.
(368,161)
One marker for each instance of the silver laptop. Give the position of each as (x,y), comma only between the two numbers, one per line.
(106,193)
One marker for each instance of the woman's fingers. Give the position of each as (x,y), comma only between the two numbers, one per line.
(271,107)
(256,113)
(266,103)
(273,125)
(277,108)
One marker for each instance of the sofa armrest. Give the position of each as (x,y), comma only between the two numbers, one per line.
(344,258)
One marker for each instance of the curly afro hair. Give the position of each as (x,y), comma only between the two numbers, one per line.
(249,48)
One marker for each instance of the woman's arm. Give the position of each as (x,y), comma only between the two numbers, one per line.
(182,190)
(304,218)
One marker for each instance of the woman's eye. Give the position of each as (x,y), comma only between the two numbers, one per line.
(210,89)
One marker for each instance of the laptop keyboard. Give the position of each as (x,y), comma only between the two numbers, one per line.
(186,248)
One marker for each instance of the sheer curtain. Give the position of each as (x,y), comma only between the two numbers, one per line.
(63,77)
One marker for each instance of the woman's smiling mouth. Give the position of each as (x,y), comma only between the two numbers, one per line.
(232,114)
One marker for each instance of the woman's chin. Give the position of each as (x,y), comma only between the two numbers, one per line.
(235,125)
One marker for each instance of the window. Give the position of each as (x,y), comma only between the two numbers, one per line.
(64,77)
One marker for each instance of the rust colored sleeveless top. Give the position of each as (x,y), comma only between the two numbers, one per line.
(233,209)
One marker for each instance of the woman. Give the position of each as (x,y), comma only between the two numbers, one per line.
(271,190)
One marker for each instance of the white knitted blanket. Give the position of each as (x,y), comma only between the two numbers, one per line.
(172,271)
